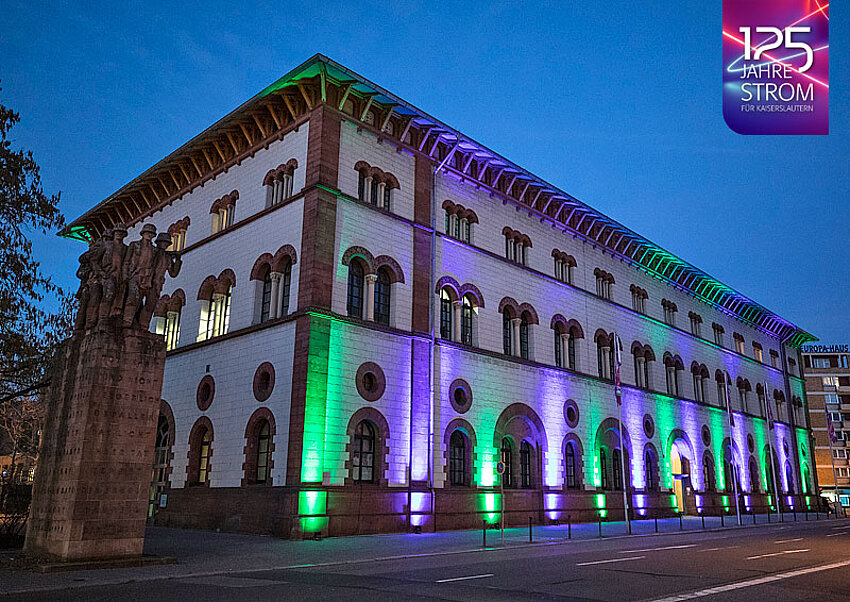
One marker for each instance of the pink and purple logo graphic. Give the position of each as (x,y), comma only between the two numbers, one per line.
(776,66)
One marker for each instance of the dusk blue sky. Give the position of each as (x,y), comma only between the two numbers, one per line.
(617,103)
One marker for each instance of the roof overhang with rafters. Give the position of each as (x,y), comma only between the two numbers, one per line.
(288,101)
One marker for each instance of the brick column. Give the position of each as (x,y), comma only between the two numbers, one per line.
(423,295)
(315,290)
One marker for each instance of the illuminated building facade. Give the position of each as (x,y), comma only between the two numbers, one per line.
(827,371)
(374,310)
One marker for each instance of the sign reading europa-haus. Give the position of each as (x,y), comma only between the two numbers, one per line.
(776,66)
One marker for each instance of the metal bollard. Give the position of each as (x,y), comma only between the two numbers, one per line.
(768,517)
(702,518)
(600,526)
(807,515)
(781,516)
(722,518)
(680,521)
(484,532)
(569,526)
(817,514)
(656,524)
(754,516)
(795,514)
(530,536)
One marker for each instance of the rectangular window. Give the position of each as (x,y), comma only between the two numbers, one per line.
(718,337)
(758,354)
(820,362)
(739,345)
(830,381)
(831,398)
(695,326)
(774,359)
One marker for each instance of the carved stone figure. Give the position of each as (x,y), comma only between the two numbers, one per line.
(163,261)
(117,280)
(111,261)
(137,271)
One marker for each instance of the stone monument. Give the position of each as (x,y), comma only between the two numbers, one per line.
(91,488)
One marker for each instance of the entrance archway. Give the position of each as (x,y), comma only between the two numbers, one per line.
(681,458)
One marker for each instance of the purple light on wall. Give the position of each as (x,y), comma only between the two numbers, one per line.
(553,505)
(419,504)
(790,501)
(641,503)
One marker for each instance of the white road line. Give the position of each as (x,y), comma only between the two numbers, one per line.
(834,534)
(720,548)
(777,554)
(692,545)
(788,540)
(610,560)
(464,578)
(752,582)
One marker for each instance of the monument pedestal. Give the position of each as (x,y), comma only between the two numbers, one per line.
(93,478)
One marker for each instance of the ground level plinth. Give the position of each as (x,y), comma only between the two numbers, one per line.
(91,490)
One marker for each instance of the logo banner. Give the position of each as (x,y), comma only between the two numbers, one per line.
(776,66)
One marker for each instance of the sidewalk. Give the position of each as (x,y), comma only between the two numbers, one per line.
(202,553)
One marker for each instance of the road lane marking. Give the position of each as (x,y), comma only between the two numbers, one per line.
(777,554)
(752,582)
(788,540)
(464,578)
(692,545)
(610,560)
(834,534)
(720,548)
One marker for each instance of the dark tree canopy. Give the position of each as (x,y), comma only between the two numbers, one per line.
(28,331)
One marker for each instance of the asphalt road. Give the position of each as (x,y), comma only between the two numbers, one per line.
(779,563)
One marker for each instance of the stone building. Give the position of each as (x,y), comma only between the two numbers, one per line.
(375,309)
(827,371)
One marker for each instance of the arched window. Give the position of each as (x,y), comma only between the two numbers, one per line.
(571,466)
(672,365)
(355,289)
(559,345)
(204,457)
(651,469)
(457,459)
(507,332)
(754,476)
(266,303)
(167,317)
(285,288)
(617,470)
(762,399)
(264,437)
(603,469)
(215,314)
(161,458)
(720,379)
(768,472)
(508,461)
(446,325)
(728,475)
(708,472)
(525,454)
(604,356)
(523,336)
(382,297)
(466,316)
(643,354)
(700,374)
(363,456)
